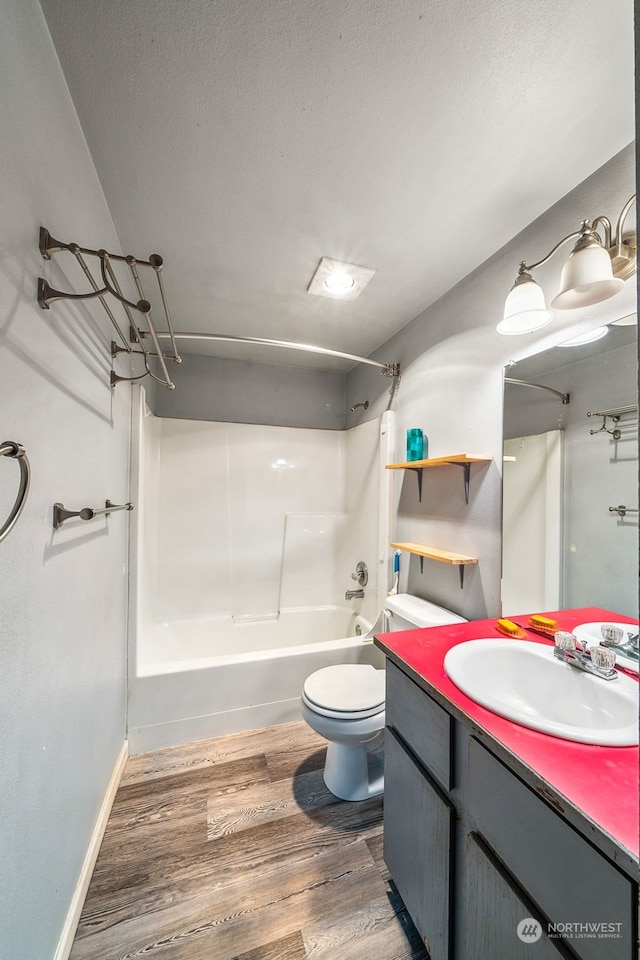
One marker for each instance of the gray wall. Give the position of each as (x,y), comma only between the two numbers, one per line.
(63,594)
(451,386)
(600,550)
(241,391)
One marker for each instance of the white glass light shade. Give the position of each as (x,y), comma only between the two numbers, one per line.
(524,309)
(630,320)
(596,334)
(587,278)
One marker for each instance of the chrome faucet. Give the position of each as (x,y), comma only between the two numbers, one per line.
(581,659)
(361,576)
(354,595)
(614,637)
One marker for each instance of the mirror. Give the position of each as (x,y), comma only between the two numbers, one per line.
(566,473)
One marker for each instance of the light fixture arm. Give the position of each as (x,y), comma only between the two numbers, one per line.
(526,268)
(621,219)
(586,228)
(606,223)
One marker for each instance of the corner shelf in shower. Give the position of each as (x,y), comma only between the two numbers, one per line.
(434,553)
(463,460)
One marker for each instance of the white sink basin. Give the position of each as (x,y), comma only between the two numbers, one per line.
(523,681)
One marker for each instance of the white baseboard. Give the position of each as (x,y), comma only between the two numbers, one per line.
(77,901)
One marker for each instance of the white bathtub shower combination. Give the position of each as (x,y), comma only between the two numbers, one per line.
(245,541)
(206,677)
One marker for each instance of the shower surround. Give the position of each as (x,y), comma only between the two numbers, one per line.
(242,550)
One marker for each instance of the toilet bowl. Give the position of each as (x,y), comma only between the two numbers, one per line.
(344,703)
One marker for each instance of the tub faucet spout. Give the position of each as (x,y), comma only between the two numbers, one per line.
(354,595)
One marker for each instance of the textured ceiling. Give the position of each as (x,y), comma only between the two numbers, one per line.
(245,139)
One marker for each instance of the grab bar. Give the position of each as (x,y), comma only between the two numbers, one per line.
(87,513)
(12,449)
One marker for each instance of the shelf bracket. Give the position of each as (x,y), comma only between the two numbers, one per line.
(467,472)
(418,472)
(461,567)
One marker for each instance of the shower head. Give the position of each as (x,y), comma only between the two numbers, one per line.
(364,405)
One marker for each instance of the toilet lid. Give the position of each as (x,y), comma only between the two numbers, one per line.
(346,688)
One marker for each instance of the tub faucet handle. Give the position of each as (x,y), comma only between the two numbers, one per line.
(361,574)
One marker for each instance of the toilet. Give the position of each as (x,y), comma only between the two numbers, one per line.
(344,703)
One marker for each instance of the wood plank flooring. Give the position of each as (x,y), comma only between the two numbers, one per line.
(234,849)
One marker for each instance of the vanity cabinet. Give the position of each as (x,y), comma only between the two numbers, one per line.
(474,850)
(418,845)
(495,909)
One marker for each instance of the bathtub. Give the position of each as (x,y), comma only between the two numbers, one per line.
(205,677)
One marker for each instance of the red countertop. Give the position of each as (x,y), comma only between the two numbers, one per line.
(600,782)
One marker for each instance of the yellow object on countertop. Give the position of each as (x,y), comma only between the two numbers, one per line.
(509,628)
(543,623)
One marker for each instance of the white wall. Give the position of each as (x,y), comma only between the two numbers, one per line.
(243,519)
(62,594)
(244,391)
(452,362)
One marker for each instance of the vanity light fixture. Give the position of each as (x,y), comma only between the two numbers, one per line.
(596,334)
(597,267)
(342,281)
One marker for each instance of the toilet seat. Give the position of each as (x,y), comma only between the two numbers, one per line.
(346,691)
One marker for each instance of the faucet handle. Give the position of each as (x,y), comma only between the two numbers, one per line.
(612,634)
(564,640)
(361,574)
(603,657)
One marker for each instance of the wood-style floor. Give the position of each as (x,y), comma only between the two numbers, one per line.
(234,849)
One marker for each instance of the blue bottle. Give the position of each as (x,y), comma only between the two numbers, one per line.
(415,444)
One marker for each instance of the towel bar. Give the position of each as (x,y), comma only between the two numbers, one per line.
(12,449)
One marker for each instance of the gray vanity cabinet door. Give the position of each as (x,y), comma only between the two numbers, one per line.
(418,834)
(493,912)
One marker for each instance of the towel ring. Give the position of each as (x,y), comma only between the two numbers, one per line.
(12,449)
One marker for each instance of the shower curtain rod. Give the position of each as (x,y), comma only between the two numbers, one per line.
(386,369)
(565,397)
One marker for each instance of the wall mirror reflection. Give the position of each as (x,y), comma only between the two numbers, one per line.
(571,464)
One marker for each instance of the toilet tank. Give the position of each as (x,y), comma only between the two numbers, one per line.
(406,612)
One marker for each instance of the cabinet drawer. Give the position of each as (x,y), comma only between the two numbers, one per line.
(422,724)
(568,879)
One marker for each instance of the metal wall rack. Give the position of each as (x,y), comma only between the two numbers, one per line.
(615,415)
(110,286)
(140,335)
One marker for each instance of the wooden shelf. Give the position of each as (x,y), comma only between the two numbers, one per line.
(455,458)
(463,460)
(434,553)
